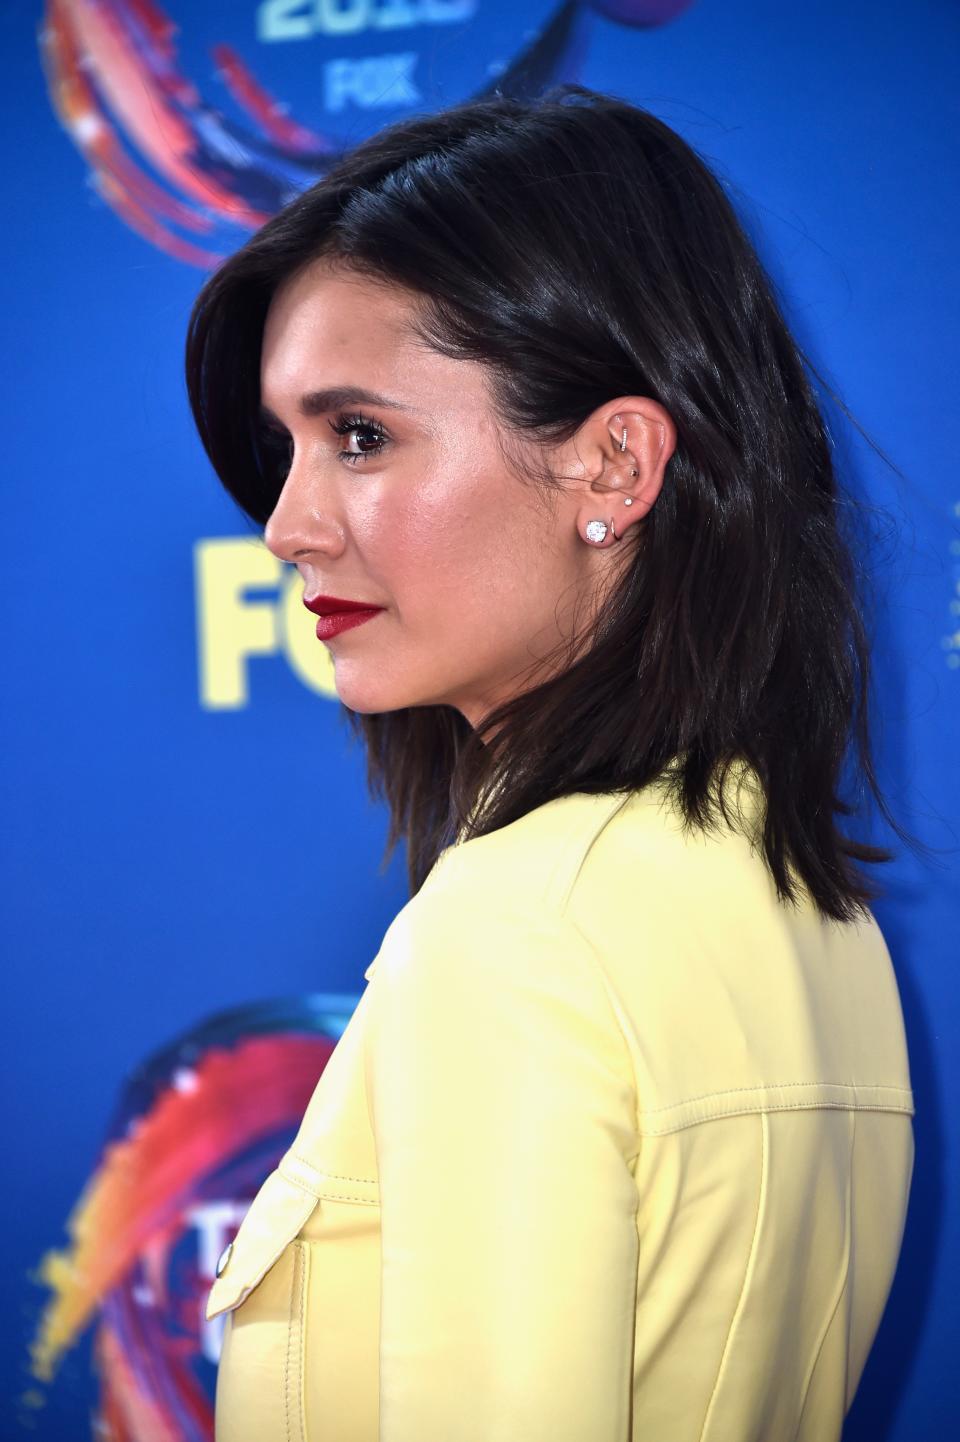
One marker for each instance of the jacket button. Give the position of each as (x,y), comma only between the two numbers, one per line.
(224,1259)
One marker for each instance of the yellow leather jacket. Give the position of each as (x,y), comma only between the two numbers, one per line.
(614,1146)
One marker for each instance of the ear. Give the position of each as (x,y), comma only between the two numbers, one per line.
(622,448)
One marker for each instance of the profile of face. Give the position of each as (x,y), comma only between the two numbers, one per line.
(410,503)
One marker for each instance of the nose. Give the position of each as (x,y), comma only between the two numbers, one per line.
(298,526)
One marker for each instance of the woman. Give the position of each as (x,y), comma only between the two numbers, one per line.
(618,1141)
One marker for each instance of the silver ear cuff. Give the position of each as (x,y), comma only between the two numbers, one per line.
(596,531)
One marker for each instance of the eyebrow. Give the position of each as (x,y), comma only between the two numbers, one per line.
(335,398)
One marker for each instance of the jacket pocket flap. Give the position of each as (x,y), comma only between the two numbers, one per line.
(274,1218)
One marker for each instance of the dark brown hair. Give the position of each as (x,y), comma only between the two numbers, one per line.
(580,249)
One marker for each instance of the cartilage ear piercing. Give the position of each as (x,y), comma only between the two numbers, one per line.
(628,500)
(623,447)
(596,531)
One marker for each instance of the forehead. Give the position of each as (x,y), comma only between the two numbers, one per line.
(329,327)
(324,317)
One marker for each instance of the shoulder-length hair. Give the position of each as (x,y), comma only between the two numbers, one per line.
(580,249)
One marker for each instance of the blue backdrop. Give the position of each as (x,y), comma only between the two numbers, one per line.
(191,879)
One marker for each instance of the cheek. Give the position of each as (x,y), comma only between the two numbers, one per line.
(458,547)
(429,551)
(413,551)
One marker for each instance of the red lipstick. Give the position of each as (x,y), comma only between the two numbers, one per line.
(337,614)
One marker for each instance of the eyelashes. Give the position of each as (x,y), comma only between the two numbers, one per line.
(345,424)
(278,444)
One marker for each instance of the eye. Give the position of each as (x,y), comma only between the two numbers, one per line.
(373,431)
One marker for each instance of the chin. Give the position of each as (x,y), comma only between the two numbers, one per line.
(368,694)
(365,691)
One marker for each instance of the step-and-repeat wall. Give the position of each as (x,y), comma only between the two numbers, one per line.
(192,877)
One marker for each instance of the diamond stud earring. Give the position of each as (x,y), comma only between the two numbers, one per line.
(596,531)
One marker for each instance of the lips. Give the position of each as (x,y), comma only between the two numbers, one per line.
(336,605)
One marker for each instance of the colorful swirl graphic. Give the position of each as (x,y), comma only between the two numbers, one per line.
(114,83)
(198,1129)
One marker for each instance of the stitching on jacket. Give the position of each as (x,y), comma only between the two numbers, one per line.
(766,1111)
(562,879)
(766,1086)
(286,1364)
(575,851)
(597,968)
(343,1197)
(301,1342)
(751,1253)
(846,1281)
(337,1176)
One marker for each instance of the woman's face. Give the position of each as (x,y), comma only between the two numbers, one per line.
(414,509)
